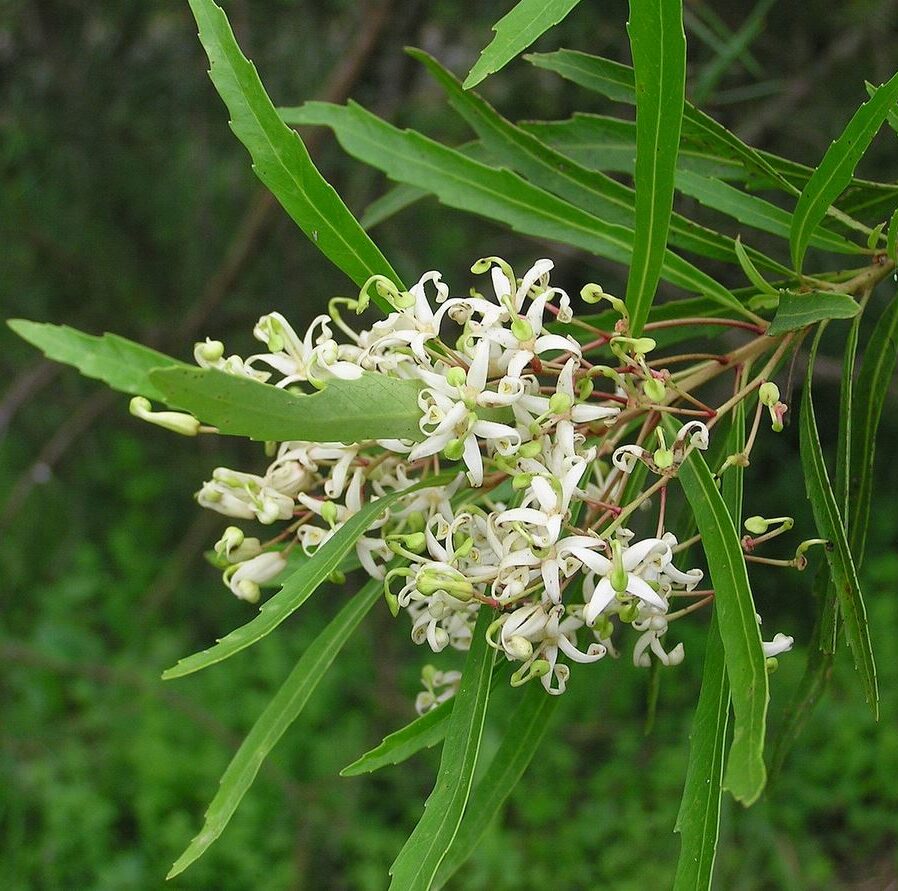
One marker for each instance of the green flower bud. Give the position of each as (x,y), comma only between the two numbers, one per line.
(560,403)
(663,458)
(329,513)
(454,449)
(416,521)
(629,613)
(175,421)
(209,350)
(603,627)
(585,388)
(415,542)
(769,393)
(771,663)
(654,389)
(522,330)
(456,377)
(530,449)
(756,525)
(337,577)
(522,481)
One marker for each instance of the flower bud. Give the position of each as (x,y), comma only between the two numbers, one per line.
(522,330)
(454,449)
(177,422)
(329,513)
(456,377)
(530,449)
(654,389)
(756,525)
(769,393)
(210,351)
(519,648)
(560,403)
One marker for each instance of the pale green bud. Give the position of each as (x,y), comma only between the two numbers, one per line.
(329,513)
(663,458)
(585,388)
(654,389)
(209,350)
(769,393)
(530,449)
(454,449)
(560,403)
(175,421)
(456,377)
(756,525)
(522,330)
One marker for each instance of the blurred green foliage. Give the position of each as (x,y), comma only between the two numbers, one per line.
(122,193)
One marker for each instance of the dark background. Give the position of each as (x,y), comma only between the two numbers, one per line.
(127,205)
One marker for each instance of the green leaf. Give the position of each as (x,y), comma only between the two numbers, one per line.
(271,725)
(746,666)
(498,194)
(590,190)
(837,168)
(122,364)
(877,369)
(798,310)
(527,727)
(830,526)
(372,407)
(516,31)
(892,116)
(658,45)
(698,820)
(422,733)
(601,143)
(301,585)
(751,272)
(417,863)
(617,82)
(754,211)
(280,159)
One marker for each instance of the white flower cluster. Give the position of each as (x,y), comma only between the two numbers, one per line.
(533,535)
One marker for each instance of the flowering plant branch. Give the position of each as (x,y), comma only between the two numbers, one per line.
(500,460)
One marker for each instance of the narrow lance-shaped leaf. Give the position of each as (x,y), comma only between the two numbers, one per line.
(698,820)
(516,31)
(279,157)
(830,526)
(658,45)
(834,174)
(746,667)
(617,82)
(754,211)
(523,735)
(120,363)
(590,190)
(279,714)
(300,586)
(604,143)
(372,407)
(798,310)
(498,194)
(420,858)
(877,369)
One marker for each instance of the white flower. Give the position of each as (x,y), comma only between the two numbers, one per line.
(245,578)
(780,644)
(449,418)
(623,574)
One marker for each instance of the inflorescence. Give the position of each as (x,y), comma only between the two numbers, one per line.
(535,524)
